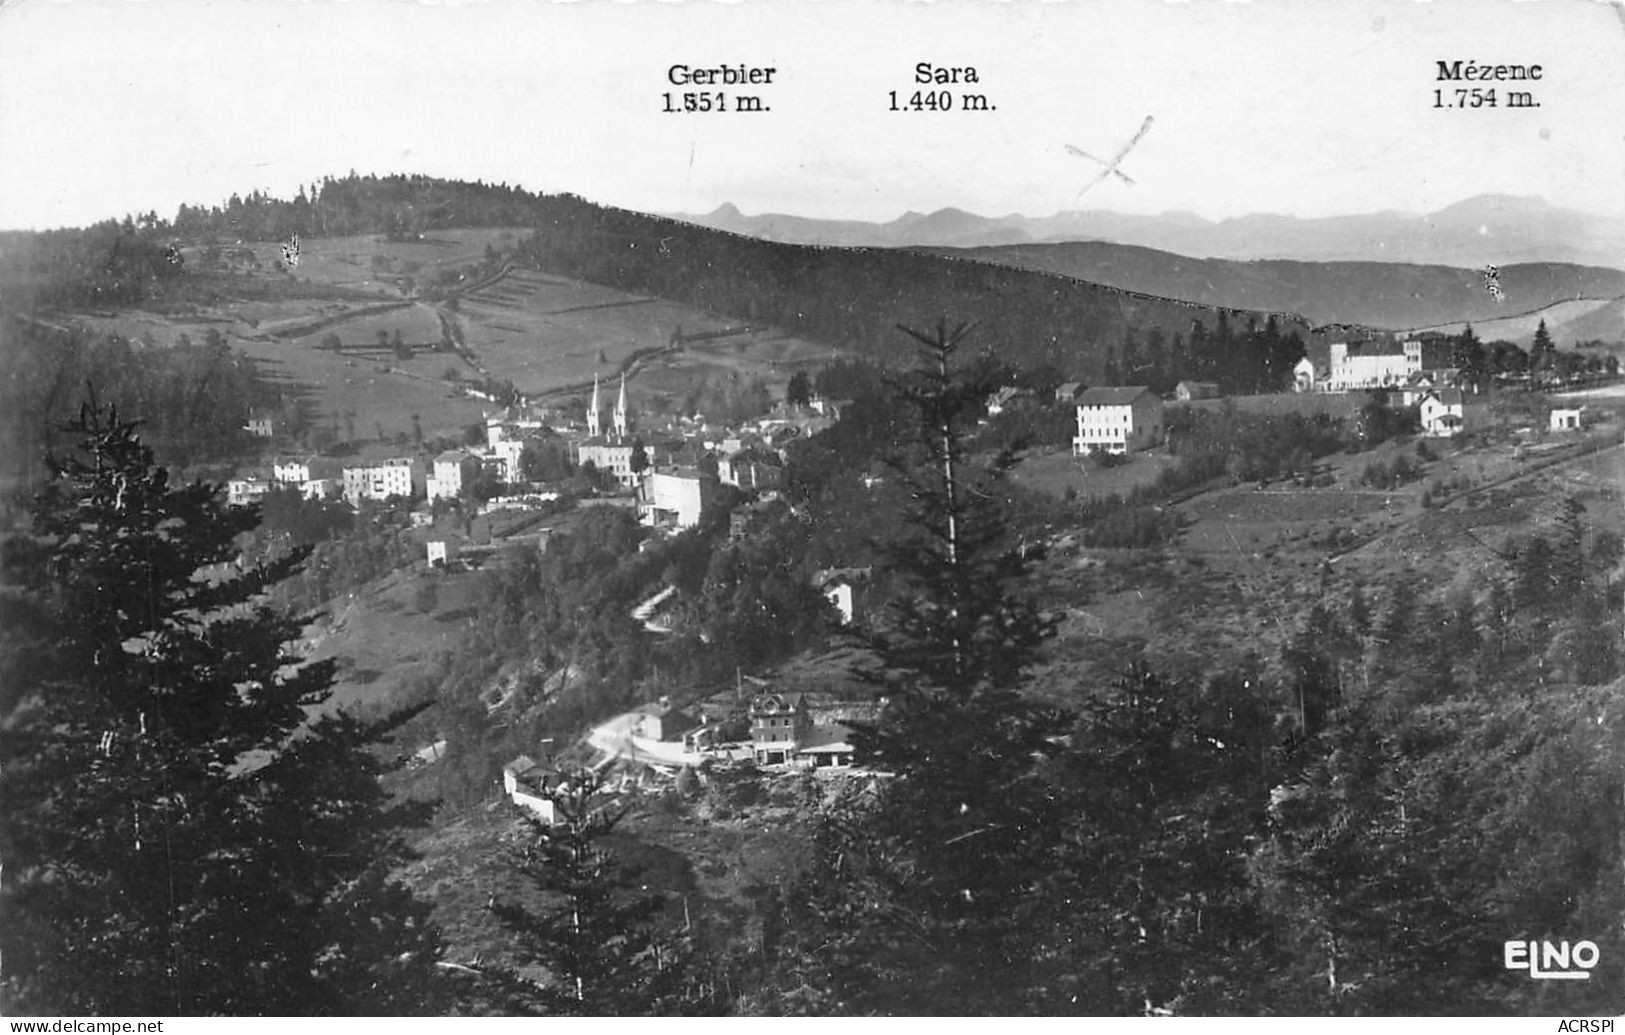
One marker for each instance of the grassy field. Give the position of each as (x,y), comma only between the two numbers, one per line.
(368,263)
(1251,562)
(1054,470)
(1306,403)
(1611,397)
(1245,519)
(1523,326)
(552,335)
(383,641)
(548,335)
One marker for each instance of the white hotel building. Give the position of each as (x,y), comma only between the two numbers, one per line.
(1117,420)
(397,477)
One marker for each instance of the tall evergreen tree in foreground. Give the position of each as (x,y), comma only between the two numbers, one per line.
(601,941)
(177,838)
(920,900)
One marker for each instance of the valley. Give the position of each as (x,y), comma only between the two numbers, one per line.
(664,526)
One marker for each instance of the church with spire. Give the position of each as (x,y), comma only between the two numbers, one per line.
(609,449)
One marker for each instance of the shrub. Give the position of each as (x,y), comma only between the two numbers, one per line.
(687,782)
(1132,528)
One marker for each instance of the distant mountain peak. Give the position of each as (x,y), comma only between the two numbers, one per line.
(1488,228)
(1497,204)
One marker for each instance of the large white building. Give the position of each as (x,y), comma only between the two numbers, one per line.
(242,491)
(454,470)
(401,476)
(1117,420)
(299,470)
(1362,369)
(614,458)
(675,498)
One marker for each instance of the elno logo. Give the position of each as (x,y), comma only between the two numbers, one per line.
(1553,962)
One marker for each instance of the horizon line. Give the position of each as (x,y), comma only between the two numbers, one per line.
(1539,199)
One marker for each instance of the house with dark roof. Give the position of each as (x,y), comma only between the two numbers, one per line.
(826,747)
(845,588)
(1308,375)
(660,720)
(1443,412)
(1117,420)
(525,782)
(1006,398)
(454,470)
(750,469)
(778,725)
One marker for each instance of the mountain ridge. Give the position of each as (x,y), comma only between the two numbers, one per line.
(1498,229)
(1394,296)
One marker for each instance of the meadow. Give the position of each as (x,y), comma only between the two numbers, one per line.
(1055,471)
(547,335)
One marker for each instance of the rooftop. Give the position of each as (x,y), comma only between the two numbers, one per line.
(521,765)
(832,737)
(825,576)
(1118,395)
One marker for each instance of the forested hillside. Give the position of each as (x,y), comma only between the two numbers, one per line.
(851,298)
(1378,294)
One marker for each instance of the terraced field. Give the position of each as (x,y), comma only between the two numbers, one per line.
(550,336)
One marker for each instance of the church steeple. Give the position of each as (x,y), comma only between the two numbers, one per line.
(620,411)
(595,422)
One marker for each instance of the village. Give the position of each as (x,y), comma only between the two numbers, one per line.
(675,472)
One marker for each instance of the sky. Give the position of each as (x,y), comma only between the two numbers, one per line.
(115,106)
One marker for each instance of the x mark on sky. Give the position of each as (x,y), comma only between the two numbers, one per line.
(1111,167)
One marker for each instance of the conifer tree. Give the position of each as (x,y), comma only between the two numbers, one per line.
(1151,906)
(601,940)
(921,899)
(176,838)
(1540,351)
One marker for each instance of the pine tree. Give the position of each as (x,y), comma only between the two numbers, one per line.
(1540,351)
(602,942)
(920,900)
(799,391)
(1400,860)
(178,840)
(1165,787)
(1467,354)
